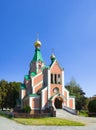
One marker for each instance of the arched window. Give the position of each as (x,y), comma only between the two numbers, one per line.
(59,79)
(55,78)
(52,78)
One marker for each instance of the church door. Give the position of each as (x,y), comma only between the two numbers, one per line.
(58,103)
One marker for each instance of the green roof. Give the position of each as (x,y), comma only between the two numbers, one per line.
(27,77)
(33,73)
(45,67)
(51,97)
(51,63)
(23,86)
(33,95)
(37,55)
(58,94)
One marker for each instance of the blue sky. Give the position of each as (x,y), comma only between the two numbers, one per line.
(68,26)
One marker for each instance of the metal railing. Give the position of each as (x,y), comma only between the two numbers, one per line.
(72,111)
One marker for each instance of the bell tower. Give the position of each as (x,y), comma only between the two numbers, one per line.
(37,61)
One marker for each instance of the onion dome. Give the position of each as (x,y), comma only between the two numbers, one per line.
(37,43)
(52,57)
(37,55)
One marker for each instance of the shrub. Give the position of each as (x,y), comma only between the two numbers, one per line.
(26,109)
(92,106)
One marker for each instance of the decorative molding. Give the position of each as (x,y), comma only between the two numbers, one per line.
(43,103)
(73,101)
(48,83)
(37,75)
(67,96)
(32,85)
(30,103)
(32,78)
(36,86)
(62,82)
(22,93)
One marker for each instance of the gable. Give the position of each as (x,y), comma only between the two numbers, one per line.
(55,68)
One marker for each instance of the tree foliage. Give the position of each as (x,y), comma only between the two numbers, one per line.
(9,92)
(76,90)
(3,93)
(92,106)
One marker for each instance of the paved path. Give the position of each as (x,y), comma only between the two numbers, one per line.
(63,114)
(6,124)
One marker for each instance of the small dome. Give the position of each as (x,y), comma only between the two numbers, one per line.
(52,57)
(37,43)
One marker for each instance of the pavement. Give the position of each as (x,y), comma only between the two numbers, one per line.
(64,114)
(7,124)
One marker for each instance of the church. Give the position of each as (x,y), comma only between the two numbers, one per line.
(43,87)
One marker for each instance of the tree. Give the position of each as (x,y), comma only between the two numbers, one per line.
(12,94)
(92,106)
(3,93)
(9,93)
(75,90)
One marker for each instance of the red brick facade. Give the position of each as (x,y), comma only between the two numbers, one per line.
(44,87)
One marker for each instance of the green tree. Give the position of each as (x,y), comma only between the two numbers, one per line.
(12,94)
(76,90)
(92,106)
(3,93)
(9,93)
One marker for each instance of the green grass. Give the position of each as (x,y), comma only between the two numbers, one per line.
(83,113)
(48,121)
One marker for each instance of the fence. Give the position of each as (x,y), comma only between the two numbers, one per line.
(35,115)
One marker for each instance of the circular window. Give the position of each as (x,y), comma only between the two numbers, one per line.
(56,90)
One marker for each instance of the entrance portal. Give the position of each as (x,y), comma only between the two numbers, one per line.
(58,103)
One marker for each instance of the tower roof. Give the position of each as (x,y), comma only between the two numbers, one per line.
(37,55)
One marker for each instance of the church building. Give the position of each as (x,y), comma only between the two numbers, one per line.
(43,87)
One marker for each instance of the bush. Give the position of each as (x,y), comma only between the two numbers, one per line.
(92,106)
(26,109)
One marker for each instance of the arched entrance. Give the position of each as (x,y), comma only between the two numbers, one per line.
(58,102)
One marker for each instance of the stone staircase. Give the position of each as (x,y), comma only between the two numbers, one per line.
(70,110)
(61,113)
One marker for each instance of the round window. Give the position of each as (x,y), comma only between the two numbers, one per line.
(56,90)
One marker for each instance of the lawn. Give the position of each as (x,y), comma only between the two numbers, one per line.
(47,121)
(83,113)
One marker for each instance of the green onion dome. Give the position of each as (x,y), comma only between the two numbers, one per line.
(52,57)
